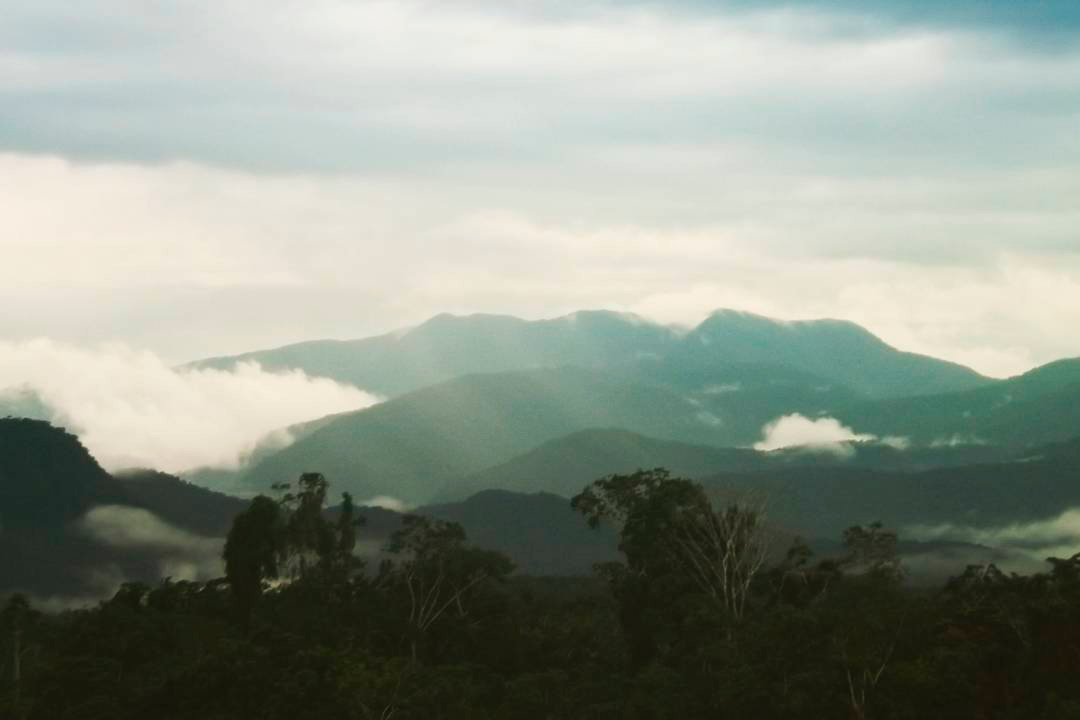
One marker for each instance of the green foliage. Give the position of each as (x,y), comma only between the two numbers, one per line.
(442,630)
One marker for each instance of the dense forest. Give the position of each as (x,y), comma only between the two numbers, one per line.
(708,614)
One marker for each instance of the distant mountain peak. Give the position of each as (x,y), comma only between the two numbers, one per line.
(448,346)
(741,318)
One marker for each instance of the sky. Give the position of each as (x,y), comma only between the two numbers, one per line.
(195,179)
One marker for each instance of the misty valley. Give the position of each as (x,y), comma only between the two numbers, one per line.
(592,516)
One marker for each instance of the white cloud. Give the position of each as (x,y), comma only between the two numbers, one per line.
(194,261)
(957,440)
(181,555)
(1060,531)
(823,434)
(130,409)
(530,158)
(385,502)
(1027,544)
(723,389)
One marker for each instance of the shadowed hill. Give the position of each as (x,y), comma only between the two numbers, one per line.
(47,477)
(50,485)
(821,501)
(411,446)
(180,503)
(567,464)
(540,532)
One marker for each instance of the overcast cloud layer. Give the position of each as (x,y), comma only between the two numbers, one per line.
(205,178)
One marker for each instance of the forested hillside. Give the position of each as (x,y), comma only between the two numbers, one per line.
(300,628)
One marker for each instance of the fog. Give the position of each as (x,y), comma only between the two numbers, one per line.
(130,409)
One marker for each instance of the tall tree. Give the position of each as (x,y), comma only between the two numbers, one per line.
(436,572)
(253,552)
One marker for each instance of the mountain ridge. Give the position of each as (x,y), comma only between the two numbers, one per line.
(447,346)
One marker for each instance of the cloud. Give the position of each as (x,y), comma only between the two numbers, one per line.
(386,502)
(1063,530)
(957,440)
(193,261)
(896,442)
(247,174)
(130,409)
(723,389)
(823,434)
(1025,545)
(181,555)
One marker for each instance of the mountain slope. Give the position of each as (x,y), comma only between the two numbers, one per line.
(179,503)
(540,532)
(448,346)
(411,446)
(67,527)
(47,478)
(567,464)
(1035,408)
(838,350)
(821,501)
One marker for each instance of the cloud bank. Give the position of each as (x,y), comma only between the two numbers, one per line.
(130,409)
(823,434)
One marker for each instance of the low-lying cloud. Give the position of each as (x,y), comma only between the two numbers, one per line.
(130,409)
(823,434)
(386,502)
(1023,547)
(1062,531)
(182,555)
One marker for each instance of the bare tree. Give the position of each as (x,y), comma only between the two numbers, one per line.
(437,571)
(722,550)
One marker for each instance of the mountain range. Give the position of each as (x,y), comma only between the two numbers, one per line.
(716,387)
(468,393)
(449,346)
(495,422)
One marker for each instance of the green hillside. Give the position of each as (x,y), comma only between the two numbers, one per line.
(1035,408)
(567,464)
(411,446)
(838,350)
(448,346)
(563,466)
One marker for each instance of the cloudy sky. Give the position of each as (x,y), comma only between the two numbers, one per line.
(203,178)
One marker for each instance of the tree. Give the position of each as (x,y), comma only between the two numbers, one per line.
(723,550)
(253,551)
(871,612)
(311,542)
(15,616)
(292,537)
(643,506)
(674,541)
(437,572)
